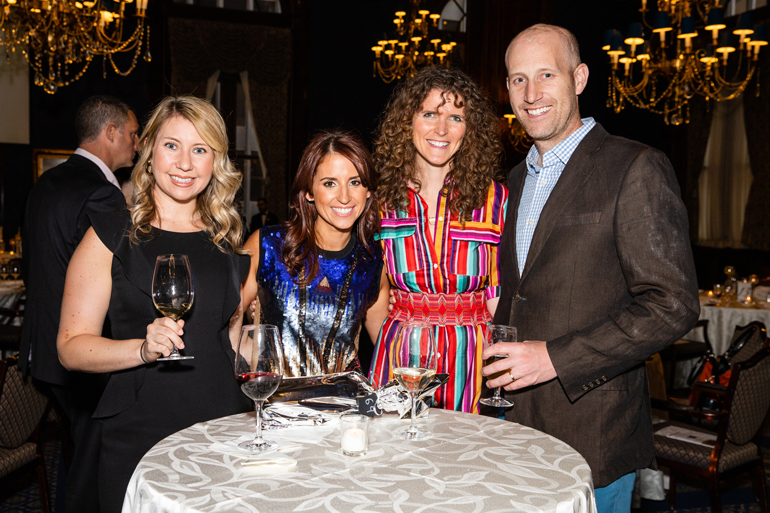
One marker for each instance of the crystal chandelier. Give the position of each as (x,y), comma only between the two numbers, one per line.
(415,43)
(60,38)
(663,69)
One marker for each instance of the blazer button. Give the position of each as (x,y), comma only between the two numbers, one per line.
(598,382)
(591,384)
(604,378)
(585,387)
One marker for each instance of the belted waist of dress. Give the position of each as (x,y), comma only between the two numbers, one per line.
(441,309)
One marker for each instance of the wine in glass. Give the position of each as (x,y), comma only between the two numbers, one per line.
(718,292)
(259,370)
(414,365)
(497,333)
(172,291)
(15,269)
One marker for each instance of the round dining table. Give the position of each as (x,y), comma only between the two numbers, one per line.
(472,463)
(724,318)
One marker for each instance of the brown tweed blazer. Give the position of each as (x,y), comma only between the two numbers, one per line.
(609,280)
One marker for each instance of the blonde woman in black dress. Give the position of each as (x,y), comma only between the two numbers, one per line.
(185,186)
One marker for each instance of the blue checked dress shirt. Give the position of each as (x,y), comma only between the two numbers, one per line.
(539,183)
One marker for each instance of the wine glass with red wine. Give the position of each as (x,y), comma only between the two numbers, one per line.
(173,292)
(259,370)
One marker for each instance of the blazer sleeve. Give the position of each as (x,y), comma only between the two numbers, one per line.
(654,253)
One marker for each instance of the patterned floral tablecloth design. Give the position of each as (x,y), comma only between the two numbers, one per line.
(472,464)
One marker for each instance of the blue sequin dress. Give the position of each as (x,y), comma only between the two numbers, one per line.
(281,305)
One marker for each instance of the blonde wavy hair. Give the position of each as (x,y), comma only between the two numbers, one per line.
(476,163)
(215,204)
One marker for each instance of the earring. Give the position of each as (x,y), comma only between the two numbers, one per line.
(368,195)
(148,169)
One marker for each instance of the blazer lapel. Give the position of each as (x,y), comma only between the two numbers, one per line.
(515,188)
(571,181)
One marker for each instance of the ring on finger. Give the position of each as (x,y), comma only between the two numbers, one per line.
(510,373)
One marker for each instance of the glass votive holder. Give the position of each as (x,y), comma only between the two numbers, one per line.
(354,434)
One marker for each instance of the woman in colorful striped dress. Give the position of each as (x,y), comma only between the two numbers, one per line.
(437,152)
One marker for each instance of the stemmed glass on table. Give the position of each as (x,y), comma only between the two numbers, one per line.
(718,292)
(172,291)
(259,370)
(497,333)
(414,365)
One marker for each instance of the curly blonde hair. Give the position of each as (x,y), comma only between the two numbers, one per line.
(215,204)
(476,163)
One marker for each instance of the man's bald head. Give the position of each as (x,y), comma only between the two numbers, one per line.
(569,41)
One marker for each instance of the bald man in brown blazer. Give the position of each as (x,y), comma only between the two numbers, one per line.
(598,233)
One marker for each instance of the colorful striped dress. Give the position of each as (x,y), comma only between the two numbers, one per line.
(445,279)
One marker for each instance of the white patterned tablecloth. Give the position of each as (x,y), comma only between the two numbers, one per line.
(471,464)
(723,320)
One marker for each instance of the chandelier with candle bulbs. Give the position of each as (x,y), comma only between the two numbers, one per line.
(686,49)
(414,43)
(60,38)
(517,136)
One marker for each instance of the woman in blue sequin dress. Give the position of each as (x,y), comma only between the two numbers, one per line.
(320,276)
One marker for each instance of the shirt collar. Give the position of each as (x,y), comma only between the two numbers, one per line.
(108,174)
(562,151)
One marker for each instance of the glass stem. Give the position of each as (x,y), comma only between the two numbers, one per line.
(175,351)
(258,408)
(413,425)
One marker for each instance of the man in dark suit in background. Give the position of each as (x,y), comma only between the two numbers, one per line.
(597,231)
(55,221)
(263,218)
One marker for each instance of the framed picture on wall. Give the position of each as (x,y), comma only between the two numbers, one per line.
(43,160)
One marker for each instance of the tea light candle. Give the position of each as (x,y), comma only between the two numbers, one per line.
(710,293)
(353,441)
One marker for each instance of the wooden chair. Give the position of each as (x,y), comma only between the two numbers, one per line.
(745,402)
(22,408)
(684,350)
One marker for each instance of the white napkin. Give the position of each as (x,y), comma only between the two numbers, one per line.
(760,294)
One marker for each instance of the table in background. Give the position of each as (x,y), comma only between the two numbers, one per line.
(11,291)
(723,320)
(472,463)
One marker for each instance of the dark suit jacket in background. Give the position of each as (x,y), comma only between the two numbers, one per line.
(256,221)
(609,280)
(54,223)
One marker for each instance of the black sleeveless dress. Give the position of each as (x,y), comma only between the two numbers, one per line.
(143,405)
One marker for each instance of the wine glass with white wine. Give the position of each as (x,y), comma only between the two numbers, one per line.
(497,333)
(172,291)
(414,365)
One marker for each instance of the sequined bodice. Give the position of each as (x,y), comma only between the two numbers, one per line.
(279,297)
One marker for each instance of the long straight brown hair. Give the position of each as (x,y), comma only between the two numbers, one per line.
(300,249)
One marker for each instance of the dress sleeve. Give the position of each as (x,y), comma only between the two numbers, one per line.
(106,198)
(111,227)
(497,205)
